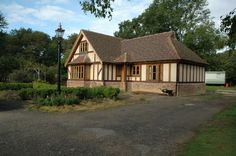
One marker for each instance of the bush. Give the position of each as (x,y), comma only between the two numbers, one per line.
(14,86)
(23,76)
(59,100)
(30,93)
(49,96)
(111,93)
(43,85)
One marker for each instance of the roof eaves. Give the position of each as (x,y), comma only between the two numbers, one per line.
(73,49)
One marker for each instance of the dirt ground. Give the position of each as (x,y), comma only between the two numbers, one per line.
(149,125)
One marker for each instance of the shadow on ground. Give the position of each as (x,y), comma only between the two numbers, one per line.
(6,105)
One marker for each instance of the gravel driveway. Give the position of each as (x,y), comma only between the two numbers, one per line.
(156,125)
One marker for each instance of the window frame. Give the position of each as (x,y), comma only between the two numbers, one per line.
(78,72)
(135,70)
(154,75)
(83,46)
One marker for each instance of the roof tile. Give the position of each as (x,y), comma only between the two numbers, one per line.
(157,47)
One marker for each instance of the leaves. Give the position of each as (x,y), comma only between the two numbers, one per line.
(228,25)
(188,19)
(3,22)
(100,8)
(180,16)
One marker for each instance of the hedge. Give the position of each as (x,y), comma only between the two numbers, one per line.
(68,95)
(14,86)
(59,100)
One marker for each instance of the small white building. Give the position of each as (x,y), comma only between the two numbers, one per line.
(215,77)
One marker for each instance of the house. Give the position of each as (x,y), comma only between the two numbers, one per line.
(147,64)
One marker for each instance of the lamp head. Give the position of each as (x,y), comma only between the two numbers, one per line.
(59,31)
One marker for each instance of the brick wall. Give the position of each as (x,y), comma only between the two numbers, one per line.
(113,84)
(150,87)
(191,89)
(182,88)
(77,83)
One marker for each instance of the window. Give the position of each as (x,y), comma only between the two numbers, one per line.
(154,72)
(118,70)
(77,72)
(135,70)
(83,46)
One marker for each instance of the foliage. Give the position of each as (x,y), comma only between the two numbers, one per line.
(30,93)
(190,21)
(51,74)
(175,15)
(3,22)
(30,44)
(228,25)
(21,76)
(100,8)
(28,55)
(216,138)
(43,85)
(225,62)
(14,86)
(7,65)
(204,40)
(59,100)
(80,93)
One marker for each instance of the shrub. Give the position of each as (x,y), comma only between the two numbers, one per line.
(59,100)
(43,85)
(30,93)
(111,93)
(21,76)
(14,86)
(49,96)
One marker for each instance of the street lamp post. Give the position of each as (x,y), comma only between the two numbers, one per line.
(59,34)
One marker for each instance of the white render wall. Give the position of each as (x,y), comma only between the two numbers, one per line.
(173,72)
(166,72)
(169,72)
(143,73)
(191,73)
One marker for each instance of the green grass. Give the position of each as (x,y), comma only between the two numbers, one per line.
(214,88)
(217,138)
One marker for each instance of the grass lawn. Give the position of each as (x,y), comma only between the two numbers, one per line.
(214,88)
(217,138)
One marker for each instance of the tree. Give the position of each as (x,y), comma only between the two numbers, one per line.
(130,29)
(3,22)
(190,21)
(29,44)
(100,8)
(173,15)
(228,25)
(3,35)
(204,40)
(7,65)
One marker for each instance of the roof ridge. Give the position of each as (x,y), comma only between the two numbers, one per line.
(171,43)
(156,34)
(101,34)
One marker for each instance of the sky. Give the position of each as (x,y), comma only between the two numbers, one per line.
(45,15)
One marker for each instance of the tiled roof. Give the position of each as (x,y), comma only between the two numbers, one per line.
(150,48)
(80,59)
(157,47)
(107,47)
